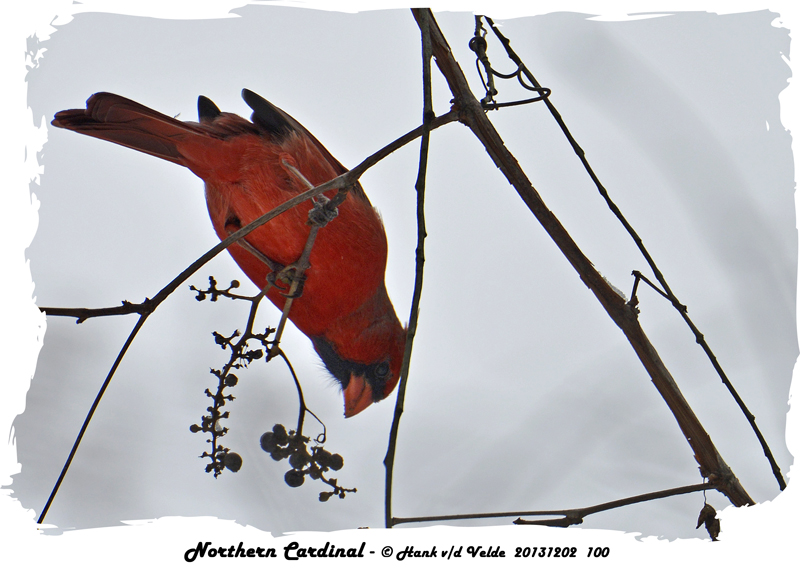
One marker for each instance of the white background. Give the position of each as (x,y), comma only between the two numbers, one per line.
(522,394)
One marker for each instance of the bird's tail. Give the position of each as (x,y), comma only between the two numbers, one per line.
(114,118)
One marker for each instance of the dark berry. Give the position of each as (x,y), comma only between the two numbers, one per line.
(322,457)
(336,462)
(280,434)
(298,459)
(269,442)
(294,478)
(232,461)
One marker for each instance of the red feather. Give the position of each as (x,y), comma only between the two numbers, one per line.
(344,308)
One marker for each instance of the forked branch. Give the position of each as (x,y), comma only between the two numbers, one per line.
(712,466)
(668,293)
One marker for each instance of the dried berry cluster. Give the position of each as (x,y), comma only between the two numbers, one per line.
(241,356)
(220,456)
(213,292)
(280,444)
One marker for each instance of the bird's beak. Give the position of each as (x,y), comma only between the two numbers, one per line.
(357,396)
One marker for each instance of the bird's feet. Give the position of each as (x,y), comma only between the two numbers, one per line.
(288,275)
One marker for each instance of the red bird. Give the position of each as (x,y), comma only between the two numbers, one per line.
(344,308)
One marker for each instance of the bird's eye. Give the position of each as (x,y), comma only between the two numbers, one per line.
(382,370)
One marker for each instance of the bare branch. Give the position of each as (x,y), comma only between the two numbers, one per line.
(668,293)
(83,313)
(571,516)
(428,117)
(712,466)
(90,414)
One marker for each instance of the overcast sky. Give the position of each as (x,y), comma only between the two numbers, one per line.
(522,395)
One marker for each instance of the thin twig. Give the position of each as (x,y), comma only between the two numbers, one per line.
(712,466)
(316,221)
(682,309)
(90,414)
(573,516)
(427,117)
(300,266)
(377,156)
(302,413)
(83,313)
(299,273)
(639,276)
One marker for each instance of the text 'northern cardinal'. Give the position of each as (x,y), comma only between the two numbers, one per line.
(344,308)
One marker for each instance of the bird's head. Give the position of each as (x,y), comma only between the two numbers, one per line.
(368,367)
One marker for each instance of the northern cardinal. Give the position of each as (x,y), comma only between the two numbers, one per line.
(344,307)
